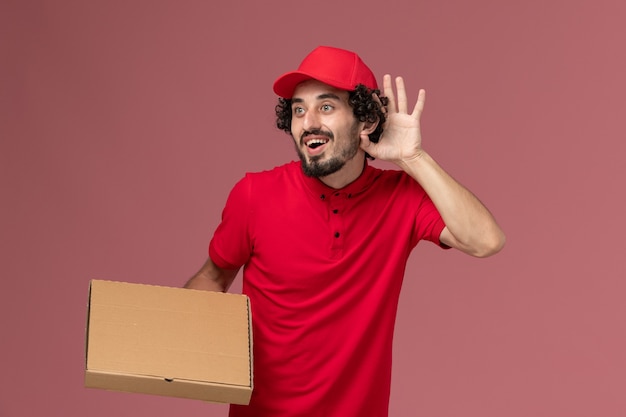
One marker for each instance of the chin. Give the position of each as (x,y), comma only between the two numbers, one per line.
(318,170)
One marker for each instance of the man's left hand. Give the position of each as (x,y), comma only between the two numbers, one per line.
(401,140)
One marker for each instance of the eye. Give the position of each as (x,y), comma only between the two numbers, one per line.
(297,110)
(327,107)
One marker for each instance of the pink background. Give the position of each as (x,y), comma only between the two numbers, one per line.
(124,124)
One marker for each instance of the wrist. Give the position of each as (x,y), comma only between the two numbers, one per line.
(414,162)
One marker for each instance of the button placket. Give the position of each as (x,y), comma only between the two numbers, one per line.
(336,206)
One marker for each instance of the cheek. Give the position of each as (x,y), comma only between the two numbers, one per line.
(295,128)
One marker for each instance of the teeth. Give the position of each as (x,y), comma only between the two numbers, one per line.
(315,142)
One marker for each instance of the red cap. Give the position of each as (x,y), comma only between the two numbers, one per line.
(333,66)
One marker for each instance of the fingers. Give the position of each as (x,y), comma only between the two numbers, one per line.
(380,103)
(419,106)
(388,91)
(400,104)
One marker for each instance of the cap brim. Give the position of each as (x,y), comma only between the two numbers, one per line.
(286,84)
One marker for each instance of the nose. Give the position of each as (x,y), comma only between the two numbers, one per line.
(311,121)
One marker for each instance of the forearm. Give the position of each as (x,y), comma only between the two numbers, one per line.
(470,226)
(211,278)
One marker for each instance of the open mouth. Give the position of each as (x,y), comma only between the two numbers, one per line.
(316,143)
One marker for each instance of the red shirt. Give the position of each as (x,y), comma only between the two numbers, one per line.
(323,269)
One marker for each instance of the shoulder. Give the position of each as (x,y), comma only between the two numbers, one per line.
(393,179)
(283,171)
(279,178)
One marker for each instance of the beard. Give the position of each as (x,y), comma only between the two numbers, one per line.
(317,168)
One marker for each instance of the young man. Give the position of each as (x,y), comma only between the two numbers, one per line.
(324,241)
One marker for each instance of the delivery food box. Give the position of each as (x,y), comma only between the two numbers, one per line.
(169,341)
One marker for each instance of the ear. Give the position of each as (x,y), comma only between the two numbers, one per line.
(368,127)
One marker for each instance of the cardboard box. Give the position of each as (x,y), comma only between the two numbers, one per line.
(169,341)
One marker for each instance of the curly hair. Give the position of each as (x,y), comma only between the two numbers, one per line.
(364,106)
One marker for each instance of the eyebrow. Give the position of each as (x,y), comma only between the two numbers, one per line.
(320,97)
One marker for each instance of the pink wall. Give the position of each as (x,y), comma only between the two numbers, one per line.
(124,124)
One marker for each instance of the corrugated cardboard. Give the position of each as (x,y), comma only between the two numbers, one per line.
(169,341)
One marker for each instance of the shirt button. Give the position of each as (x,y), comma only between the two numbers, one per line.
(336,234)
(322,196)
(335,211)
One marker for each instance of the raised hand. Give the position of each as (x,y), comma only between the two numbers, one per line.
(401,140)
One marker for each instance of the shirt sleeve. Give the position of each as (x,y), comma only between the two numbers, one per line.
(428,223)
(230,247)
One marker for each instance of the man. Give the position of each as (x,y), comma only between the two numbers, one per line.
(324,241)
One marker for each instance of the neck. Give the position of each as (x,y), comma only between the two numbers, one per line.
(347,174)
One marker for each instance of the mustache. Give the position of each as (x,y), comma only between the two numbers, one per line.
(316,132)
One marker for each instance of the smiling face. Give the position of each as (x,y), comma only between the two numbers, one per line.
(325,131)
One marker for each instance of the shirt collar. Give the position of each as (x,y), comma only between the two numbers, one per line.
(319,189)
